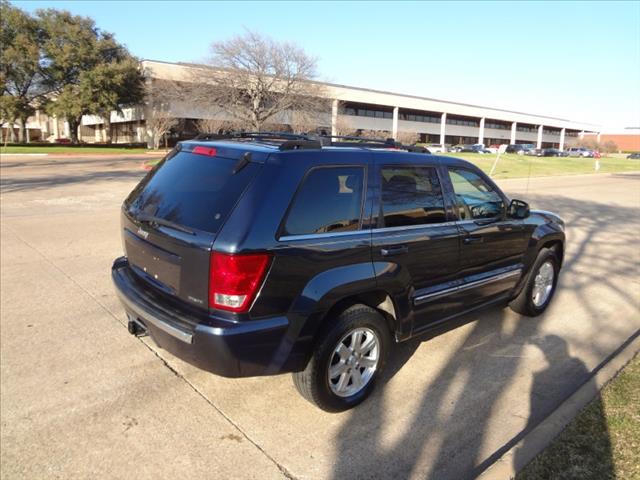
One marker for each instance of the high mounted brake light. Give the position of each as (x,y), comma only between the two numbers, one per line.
(208,151)
(234,280)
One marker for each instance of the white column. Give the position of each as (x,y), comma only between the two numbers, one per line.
(67,131)
(481,132)
(394,128)
(514,128)
(96,133)
(139,131)
(334,118)
(540,129)
(44,126)
(598,137)
(26,131)
(581,135)
(56,133)
(562,132)
(443,124)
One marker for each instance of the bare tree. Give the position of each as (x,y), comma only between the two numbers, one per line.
(344,126)
(217,125)
(306,121)
(609,147)
(160,95)
(593,144)
(160,125)
(378,134)
(408,138)
(256,80)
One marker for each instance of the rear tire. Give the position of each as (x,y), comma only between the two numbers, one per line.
(535,296)
(347,360)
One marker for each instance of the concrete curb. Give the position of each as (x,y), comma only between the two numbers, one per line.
(568,175)
(25,154)
(146,155)
(546,431)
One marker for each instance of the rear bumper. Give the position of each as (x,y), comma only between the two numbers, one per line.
(220,346)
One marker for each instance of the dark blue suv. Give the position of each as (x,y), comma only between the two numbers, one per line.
(258,254)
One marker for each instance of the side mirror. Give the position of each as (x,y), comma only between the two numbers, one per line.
(518,209)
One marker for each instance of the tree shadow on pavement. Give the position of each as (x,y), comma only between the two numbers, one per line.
(13,184)
(588,455)
(455,426)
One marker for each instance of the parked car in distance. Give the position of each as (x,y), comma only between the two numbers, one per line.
(457,148)
(520,148)
(436,148)
(534,152)
(634,156)
(515,148)
(256,254)
(493,148)
(553,152)
(476,148)
(579,152)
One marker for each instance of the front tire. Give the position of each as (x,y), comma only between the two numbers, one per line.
(535,296)
(347,360)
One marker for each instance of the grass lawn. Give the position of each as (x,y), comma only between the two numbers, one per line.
(602,442)
(512,165)
(509,165)
(66,149)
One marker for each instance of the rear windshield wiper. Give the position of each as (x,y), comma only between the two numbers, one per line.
(165,223)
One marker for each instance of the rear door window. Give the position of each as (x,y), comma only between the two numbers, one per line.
(195,191)
(411,196)
(328,200)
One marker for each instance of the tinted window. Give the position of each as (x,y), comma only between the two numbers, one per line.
(329,200)
(195,191)
(475,198)
(411,196)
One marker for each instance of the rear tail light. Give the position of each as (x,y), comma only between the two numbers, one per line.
(234,280)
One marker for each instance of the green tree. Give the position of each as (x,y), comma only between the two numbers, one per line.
(111,87)
(20,72)
(89,71)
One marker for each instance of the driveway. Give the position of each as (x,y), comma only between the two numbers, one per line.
(82,398)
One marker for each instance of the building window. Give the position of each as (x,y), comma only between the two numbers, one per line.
(496,126)
(367,112)
(463,122)
(417,116)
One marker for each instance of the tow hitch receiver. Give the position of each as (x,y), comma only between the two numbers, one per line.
(137,328)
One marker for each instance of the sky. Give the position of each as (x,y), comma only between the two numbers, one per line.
(574,60)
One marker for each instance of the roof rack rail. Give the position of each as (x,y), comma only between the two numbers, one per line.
(301,141)
(257,135)
(300,145)
(365,142)
(385,141)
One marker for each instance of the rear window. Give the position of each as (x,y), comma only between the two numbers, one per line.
(329,200)
(196,191)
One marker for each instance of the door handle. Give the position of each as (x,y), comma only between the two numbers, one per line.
(395,250)
(472,239)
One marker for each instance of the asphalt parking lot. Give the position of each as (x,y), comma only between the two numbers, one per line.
(81,398)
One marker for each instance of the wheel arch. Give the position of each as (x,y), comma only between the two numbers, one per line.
(557,246)
(379,300)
